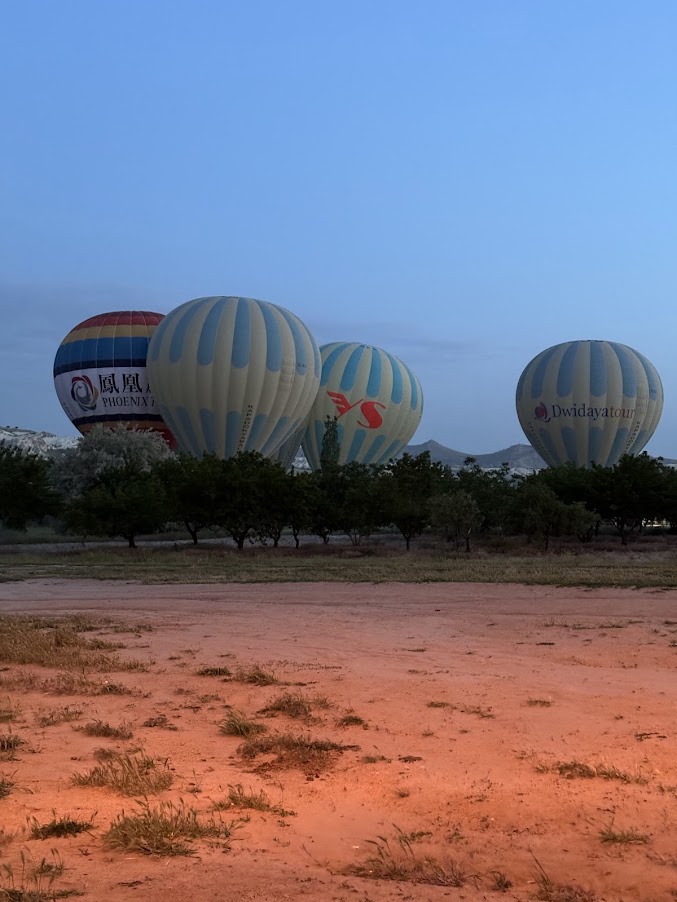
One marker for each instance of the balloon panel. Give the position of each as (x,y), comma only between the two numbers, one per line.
(233,374)
(589,402)
(376,398)
(100,372)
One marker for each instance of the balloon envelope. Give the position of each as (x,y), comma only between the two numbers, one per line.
(376,398)
(233,374)
(589,402)
(100,372)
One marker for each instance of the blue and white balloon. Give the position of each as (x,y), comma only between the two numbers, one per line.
(233,374)
(589,402)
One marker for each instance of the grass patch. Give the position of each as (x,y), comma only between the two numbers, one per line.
(373,759)
(440,705)
(129,774)
(550,891)
(56,716)
(55,643)
(160,720)
(570,568)
(538,703)
(352,720)
(238,724)
(6,786)
(255,675)
(579,769)
(399,862)
(104,730)
(10,743)
(238,797)
(64,683)
(58,827)
(35,881)
(166,830)
(290,704)
(9,712)
(624,837)
(214,672)
(292,751)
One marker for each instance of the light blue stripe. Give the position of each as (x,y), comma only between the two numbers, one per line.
(350,369)
(356,445)
(273,338)
(625,358)
(396,394)
(520,385)
(206,348)
(390,452)
(317,360)
(189,439)
(540,371)
(377,444)
(553,454)
(598,373)
(375,374)
(641,440)
(566,372)
(595,439)
(330,360)
(183,316)
(232,437)
(616,448)
(242,336)
(169,420)
(258,425)
(655,386)
(299,340)
(569,438)
(157,338)
(277,436)
(207,423)
(414,387)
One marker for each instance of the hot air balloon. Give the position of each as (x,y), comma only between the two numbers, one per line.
(233,374)
(376,399)
(589,402)
(100,372)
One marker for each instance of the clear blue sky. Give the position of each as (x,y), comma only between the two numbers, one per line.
(461,183)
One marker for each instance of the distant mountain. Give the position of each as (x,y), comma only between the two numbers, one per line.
(42,443)
(520,458)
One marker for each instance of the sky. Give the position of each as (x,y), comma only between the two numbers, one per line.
(461,183)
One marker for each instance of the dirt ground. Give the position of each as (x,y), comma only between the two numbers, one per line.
(529,686)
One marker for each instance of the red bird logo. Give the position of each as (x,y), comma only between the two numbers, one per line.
(367,409)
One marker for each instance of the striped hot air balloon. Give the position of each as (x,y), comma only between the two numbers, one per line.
(589,402)
(100,372)
(377,401)
(233,374)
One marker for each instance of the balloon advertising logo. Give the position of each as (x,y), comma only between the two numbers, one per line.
(367,409)
(83,392)
(541,413)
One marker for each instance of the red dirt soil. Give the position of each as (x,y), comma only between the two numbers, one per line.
(531,677)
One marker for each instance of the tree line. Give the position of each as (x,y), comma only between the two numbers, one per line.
(125,484)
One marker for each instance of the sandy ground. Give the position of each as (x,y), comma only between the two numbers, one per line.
(531,677)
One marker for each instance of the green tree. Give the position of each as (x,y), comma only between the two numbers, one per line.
(492,491)
(193,486)
(25,491)
(331,445)
(457,515)
(358,501)
(406,487)
(631,492)
(123,502)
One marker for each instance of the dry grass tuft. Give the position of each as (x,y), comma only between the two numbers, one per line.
(291,704)
(400,863)
(629,837)
(573,769)
(58,827)
(352,720)
(56,643)
(129,774)
(214,672)
(104,730)
(255,675)
(166,830)
(6,785)
(293,751)
(236,723)
(35,882)
(56,716)
(256,801)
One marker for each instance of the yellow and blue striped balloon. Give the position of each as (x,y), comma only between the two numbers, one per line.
(589,402)
(376,399)
(233,374)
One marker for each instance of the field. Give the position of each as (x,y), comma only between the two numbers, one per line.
(335,741)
